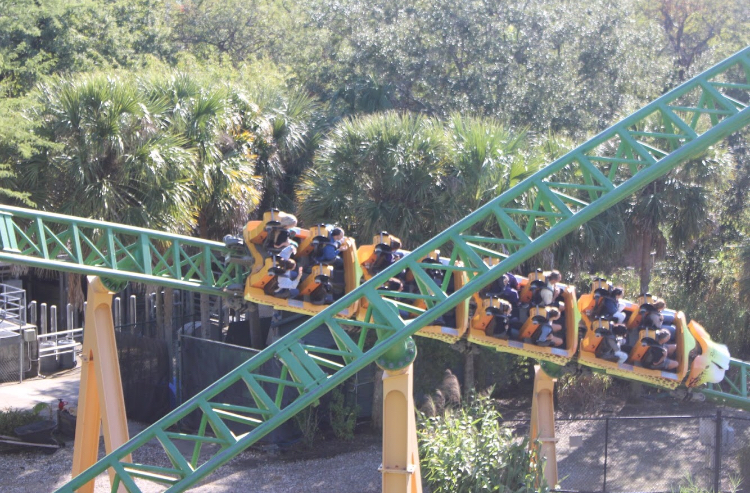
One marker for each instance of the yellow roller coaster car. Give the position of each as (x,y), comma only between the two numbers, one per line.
(319,284)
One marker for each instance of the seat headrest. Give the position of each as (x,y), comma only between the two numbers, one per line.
(382,247)
(646,308)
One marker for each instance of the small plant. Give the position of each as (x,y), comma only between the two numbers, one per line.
(743,458)
(42,407)
(582,393)
(689,486)
(343,417)
(308,423)
(467,449)
(10,419)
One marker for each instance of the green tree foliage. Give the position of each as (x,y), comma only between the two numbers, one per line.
(115,161)
(17,142)
(468,450)
(376,173)
(551,65)
(238,28)
(58,36)
(217,123)
(694,28)
(290,128)
(410,175)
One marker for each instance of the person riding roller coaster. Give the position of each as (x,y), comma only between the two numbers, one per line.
(658,352)
(608,305)
(386,255)
(500,325)
(545,334)
(610,347)
(288,279)
(328,251)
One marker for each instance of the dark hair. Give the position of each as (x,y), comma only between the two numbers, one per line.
(617,292)
(336,232)
(395,244)
(619,330)
(394,284)
(554,275)
(552,312)
(663,334)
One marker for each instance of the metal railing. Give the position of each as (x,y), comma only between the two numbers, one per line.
(12,305)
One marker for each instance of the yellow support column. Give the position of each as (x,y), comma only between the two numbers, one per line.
(401,473)
(543,422)
(100,399)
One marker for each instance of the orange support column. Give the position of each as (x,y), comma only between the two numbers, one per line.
(100,400)
(401,473)
(543,422)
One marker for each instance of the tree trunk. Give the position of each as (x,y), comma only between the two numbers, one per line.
(205,316)
(646,259)
(168,325)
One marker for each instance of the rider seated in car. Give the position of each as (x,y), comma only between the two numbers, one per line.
(329,251)
(545,335)
(288,280)
(657,355)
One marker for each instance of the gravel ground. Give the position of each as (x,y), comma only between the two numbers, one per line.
(350,472)
(331,468)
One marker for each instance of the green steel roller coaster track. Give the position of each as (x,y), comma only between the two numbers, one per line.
(518,224)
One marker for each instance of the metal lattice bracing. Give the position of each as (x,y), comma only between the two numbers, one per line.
(115,252)
(513,227)
(733,390)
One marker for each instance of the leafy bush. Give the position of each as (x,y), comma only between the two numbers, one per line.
(582,393)
(343,417)
(10,419)
(308,423)
(467,450)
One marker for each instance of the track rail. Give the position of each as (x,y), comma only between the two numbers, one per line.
(115,252)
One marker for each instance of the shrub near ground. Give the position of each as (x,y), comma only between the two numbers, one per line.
(466,449)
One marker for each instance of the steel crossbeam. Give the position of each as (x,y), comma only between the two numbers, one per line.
(528,218)
(732,390)
(115,252)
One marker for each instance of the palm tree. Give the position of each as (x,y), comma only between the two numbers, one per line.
(380,172)
(673,211)
(484,160)
(288,128)
(112,159)
(218,124)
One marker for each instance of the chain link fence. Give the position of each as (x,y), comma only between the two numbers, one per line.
(651,454)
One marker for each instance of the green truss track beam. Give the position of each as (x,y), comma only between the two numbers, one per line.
(114,252)
(518,224)
(731,391)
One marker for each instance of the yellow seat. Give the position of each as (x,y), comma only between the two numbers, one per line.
(320,274)
(592,340)
(307,242)
(487,311)
(530,326)
(257,231)
(265,275)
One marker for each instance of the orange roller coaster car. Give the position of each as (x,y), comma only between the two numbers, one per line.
(319,284)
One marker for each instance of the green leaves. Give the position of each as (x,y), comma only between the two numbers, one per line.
(468,450)
(408,174)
